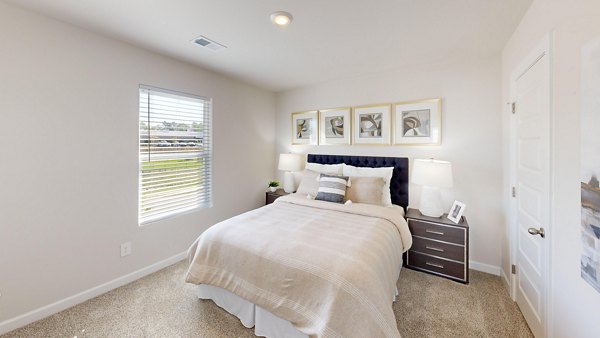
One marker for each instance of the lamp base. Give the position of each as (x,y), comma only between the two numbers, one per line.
(289,185)
(431,202)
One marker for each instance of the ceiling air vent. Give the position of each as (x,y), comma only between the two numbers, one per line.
(208,43)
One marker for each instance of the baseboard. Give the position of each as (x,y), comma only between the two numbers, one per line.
(494,270)
(50,309)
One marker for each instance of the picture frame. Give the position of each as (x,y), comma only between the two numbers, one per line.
(589,226)
(335,126)
(418,122)
(456,211)
(372,124)
(305,128)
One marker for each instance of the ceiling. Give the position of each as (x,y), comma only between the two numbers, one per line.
(328,39)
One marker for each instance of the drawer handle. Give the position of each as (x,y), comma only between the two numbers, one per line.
(434,232)
(434,249)
(435,265)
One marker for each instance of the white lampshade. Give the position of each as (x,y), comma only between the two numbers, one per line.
(432,173)
(290,162)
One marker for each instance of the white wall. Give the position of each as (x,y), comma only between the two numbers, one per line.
(471,134)
(69,158)
(576,305)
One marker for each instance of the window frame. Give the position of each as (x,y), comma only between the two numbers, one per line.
(207,154)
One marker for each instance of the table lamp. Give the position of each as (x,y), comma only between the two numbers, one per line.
(432,175)
(289,163)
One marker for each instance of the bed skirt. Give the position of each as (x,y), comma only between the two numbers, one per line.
(251,315)
(264,322)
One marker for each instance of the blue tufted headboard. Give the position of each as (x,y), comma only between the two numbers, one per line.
(399,183)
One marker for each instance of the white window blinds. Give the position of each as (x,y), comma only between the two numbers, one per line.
(175,153)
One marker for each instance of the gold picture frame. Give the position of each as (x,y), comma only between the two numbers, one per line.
(371,124)
(335,126)
(418,122)
(305,128)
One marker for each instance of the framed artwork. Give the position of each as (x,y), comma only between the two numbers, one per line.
(456,211)
(372,124)
(334,126)
(418,122)
(590,164)
(305,128)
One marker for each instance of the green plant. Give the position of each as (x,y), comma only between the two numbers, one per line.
(273,184)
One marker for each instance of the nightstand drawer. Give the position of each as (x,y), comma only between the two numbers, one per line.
(440,249)
(435,231)
(437,265)
(271,198)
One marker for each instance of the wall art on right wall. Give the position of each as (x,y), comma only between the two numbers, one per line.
(418,122)
(590,164)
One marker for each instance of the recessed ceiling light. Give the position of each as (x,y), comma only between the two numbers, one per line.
(281,19)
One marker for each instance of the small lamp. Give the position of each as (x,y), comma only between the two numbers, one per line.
(432,175)
(289,163)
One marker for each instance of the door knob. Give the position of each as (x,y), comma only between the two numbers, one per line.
(534,231)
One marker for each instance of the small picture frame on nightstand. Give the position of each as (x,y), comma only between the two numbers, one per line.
(456,211)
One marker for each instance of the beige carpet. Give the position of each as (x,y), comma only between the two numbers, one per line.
(162,305)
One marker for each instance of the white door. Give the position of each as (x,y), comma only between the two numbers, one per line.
(531,160)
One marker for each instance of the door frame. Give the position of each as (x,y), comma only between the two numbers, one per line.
(543,48)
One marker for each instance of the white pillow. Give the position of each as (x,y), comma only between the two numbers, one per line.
(329,169)
(385,173)
(309,185)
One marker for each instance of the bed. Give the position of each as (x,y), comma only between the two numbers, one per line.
(301,267)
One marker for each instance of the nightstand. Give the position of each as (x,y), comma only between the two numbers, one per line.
(272,196)
(440,246)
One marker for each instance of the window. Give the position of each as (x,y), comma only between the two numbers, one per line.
(175,153)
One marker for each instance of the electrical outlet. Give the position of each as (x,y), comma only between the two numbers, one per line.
(125,249)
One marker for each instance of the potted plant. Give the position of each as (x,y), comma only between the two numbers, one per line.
(273,186)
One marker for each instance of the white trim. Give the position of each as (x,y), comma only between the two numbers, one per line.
(487,268)
(50,309)
(553,211)
(512,202)
(505,279)
(173,92)
(543,48)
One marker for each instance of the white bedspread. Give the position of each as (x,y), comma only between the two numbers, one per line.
(329,269)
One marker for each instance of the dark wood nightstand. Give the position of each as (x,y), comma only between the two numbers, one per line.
(272,196)
(440,246)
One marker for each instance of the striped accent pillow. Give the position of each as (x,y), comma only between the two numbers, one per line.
(332,188)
